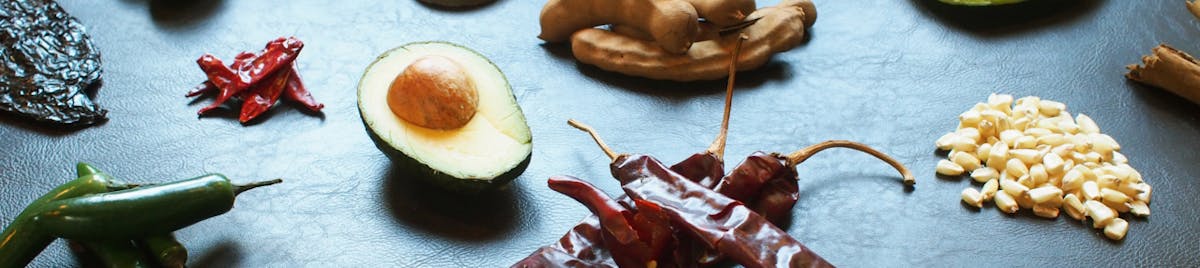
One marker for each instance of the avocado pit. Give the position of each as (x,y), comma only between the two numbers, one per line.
(434,92)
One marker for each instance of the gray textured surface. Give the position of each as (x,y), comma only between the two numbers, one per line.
(889,73)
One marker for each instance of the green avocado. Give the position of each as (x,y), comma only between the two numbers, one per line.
(492,149)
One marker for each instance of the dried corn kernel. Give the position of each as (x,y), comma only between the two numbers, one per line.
(1073,206)
(1139,208)
(1116,229)
(1050,195)
(1045,211)
(1005,202)
(965,160)
(972,197)
(945,167)
(989,189)
(1099,213)
(984,174)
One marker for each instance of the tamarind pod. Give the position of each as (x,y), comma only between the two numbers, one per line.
(723,13)
(672,24)
(778,29)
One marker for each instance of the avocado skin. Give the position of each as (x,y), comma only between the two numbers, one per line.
(410,166)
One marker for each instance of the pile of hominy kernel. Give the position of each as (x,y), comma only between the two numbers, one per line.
(1034,155)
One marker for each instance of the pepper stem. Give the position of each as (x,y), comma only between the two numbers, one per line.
(718,146)
(238,189)
(596,137)
(803,154)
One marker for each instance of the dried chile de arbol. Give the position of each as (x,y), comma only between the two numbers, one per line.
(258,79)
(49,63)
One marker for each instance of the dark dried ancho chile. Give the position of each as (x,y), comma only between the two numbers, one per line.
(48,63)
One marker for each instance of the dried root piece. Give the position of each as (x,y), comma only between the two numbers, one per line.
(1170,69)
(778,28)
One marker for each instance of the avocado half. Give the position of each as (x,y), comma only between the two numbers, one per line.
(493,148)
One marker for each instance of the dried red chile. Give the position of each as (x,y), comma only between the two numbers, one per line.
(259,80)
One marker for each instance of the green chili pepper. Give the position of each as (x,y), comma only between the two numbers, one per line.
(22,241)
(118,254)
(166,250)
(142,211)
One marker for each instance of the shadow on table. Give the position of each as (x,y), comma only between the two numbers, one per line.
(996,21)
(177,14)
(480,217)
(463,9)
(1165,102)
(773,70)
(225,254)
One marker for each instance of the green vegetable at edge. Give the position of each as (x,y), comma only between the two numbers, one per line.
(21,241)
(140,212)
(981,2)
(166,249)
(118,254)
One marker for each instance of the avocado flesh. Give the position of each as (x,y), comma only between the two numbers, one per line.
(490,150)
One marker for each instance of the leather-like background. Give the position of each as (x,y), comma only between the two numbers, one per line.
(890,73)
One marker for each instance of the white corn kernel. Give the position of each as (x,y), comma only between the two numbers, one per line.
(1023,201)
(1119,207)
(1049,212)
(943,143)
(1073,206)
(970,133)
(970,117)
(1086,125)
(1005,203)
(1027,156)
(984,174)
(1116,229)
(1099,213)
(1026,142)
(1050,108)
(1013,187)
(1038,173)
(1093,157)
(1108,181)
(1016,168)
(1021,123)
(1067,126)
(1110,195)
(1051,196)
(1119,158)
(982,152)
(1051,139)
(972,197)
(998,155)
(1145,195)
(965,160)
(1139,208)
(1038,132)
(1091,191)
(945,167)
(1073,180)
(990,188)
(1001,102)
(1053,163)
(1009,137)
(964,144)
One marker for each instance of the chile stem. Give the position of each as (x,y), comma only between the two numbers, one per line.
(596,137)
(718,146)
(238,189)
(803,154)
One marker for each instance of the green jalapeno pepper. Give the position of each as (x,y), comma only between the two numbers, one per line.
(118,254)
(22,240)
(140,212)
(165,249)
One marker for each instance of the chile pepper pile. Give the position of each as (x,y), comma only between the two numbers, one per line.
(689,214)
(258,79)
(122,225)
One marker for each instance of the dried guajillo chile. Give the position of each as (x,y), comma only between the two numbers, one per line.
(23,240)
(259,79)
(583,246)
(48,64)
